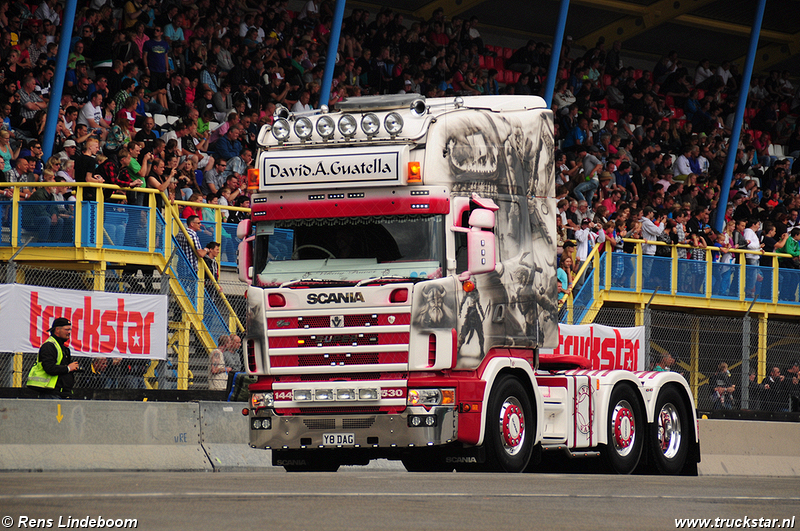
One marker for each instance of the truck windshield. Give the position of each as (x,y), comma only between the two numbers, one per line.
(349,249)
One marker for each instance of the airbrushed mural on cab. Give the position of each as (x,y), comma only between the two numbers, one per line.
(507,158)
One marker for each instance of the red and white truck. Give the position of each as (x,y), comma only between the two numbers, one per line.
(401,260)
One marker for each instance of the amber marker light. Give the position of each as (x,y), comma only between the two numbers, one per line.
(414,172)
(252,179)
(468,286)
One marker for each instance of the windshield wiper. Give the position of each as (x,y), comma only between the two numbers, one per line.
(388,279)
(315,281)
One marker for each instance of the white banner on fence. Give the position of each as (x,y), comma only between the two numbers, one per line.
(116,325)
(607,347)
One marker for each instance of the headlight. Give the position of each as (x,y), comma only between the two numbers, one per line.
(345,394)
(393,123)
(370,124)
(302,395)
(303,128)
(259,400)
(323,394)
(430,397)
(325,127)
(280,130)
(347,125)
(368,394)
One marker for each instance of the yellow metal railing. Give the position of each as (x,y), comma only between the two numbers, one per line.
(172,226)
(100,236)
(604,252)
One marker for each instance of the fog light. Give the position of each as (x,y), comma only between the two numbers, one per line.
(430,420)
(262,424)
(414,421)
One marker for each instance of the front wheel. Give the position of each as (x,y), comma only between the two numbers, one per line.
(626,428)
(510,426)
(669,434)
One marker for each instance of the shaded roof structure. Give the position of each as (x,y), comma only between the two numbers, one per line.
(714,29)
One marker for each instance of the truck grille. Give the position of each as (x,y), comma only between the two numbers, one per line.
(338,360)
(320,424)
(354,424)
(341,377)
(323,321)
(340,341)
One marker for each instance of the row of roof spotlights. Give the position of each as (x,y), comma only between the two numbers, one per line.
(348,126)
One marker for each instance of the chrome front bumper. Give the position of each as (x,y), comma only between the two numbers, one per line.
(370,430)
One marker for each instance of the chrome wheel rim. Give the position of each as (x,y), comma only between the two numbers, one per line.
(623,428)
(669,430)
(512,425)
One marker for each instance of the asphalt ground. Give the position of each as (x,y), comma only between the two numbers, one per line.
(369,499)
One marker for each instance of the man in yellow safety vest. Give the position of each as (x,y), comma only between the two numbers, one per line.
(54,373)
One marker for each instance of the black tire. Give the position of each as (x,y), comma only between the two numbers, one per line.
(670,433)
(510,427)
(626,431)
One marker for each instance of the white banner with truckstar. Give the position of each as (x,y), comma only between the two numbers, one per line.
(607,347)
(115,325)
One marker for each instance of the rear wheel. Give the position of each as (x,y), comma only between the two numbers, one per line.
(669,435)
(625,431)
(510,426)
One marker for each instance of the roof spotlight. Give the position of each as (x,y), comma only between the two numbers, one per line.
(280,129)
(348,125)
(325,127)
(370,124)
(303,128)
(393,123)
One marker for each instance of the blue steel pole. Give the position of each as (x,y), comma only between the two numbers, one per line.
(333,46)
(552,72)
(57,88)
(744,89)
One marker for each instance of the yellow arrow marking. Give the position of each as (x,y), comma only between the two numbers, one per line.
(59,416)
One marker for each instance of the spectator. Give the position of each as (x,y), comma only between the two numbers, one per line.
(191,247)
(774,396)
(721,388)
(564,275)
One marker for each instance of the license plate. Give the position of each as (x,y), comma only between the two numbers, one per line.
(338,439)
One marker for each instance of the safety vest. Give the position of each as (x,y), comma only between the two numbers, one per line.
(37,377)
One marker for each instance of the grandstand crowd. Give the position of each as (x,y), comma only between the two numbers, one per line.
(171,95)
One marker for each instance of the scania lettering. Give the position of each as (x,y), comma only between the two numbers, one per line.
(327,298)
(401,259)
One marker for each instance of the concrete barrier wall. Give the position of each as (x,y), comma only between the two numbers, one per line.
(749,448)
(50,435)
(41,435)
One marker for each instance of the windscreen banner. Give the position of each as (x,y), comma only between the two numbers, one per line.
(607,347)
(115,325)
